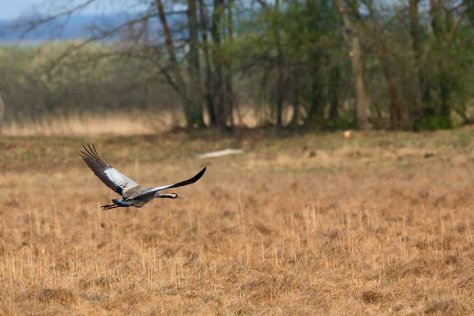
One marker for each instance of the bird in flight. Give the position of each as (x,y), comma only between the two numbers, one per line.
(131,192)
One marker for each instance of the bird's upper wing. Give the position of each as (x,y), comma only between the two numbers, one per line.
(182,183)
(109,175)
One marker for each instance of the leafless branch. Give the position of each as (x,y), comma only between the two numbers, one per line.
(32,23)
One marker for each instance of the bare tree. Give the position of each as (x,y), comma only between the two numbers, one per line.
(416,41)
(361,98)
(208,73)
(195,97)
(191,92)
(222,110)
(229,93)
(398,115)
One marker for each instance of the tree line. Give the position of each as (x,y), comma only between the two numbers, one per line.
(325,64)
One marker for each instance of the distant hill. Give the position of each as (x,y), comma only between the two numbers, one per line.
(74,27)
(84,26)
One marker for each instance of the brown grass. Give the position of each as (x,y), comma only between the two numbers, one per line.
(112,124)
(93,124)
(380,223)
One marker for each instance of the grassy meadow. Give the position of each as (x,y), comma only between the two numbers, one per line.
(313,223)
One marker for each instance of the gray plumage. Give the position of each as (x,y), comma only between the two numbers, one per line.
(132,193)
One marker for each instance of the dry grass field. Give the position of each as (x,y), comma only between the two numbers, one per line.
(380,223)
(117,124)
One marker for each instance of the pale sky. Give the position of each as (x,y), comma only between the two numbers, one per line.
(10,9)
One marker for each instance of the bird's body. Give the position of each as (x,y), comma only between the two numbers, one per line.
(132,193)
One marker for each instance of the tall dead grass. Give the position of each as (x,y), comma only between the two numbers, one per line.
(377,224)
(120,123)
(89,124)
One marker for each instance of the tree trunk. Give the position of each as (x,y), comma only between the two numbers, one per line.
(229,95)
(2,112)
(315,117)
(279,91)
(396,107)
(335,78)
(440,32)
(208,82)
(296,108)
(470,10)
(361,98)
(417,110)
(179,81)
(191,108)
(195,86)
(398,119)
(218,84)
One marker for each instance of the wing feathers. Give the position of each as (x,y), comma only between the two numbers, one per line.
(118,182)
(182,183)
(110,176)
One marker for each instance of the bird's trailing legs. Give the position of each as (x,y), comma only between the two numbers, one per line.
(117,203)
(108,207)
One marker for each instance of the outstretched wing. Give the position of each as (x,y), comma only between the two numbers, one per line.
(182,183)
(109,175)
